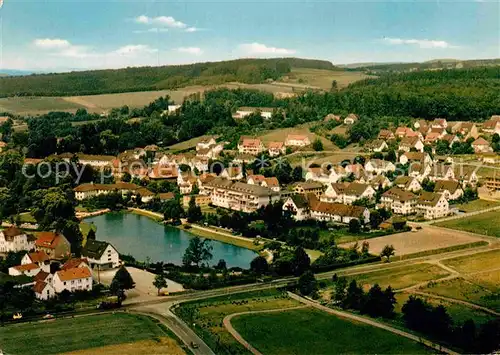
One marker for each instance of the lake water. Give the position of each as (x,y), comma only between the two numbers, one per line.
(142,237)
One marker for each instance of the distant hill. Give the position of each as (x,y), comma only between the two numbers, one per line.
(435,64)
(15,72)
(250,71)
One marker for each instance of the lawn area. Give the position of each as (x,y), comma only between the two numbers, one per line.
(310,331)
(474,290)
(484,223)
(477,205)
(207,315)
(402,277)
(71,334)
(224,238)
(477,262)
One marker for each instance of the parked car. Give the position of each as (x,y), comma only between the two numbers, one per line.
(194,345)
(17,316)
(48,316)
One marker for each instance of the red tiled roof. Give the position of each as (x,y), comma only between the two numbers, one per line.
(74,263)
(47,240)
(74,273)
(38,256)
(26,267)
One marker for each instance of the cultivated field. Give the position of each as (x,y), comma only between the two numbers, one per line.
(321,78)
(401,277)
(37,105)
(208,315)
(309,331)
(71,334)
(485,223)
(428,238)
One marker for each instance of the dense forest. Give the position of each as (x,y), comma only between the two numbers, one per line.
(250,71)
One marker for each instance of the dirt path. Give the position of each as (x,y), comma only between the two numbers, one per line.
(238,337)
(454,300)
(374,323)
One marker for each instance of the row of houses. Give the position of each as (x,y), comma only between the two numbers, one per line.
(52,275)
(428,133)
(255,146)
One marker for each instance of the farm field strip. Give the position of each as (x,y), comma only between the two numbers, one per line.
(72,334)
(485,223)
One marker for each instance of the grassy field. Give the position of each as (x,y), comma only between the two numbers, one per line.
(474,291)
(484,223)
(155,346)
(321,78)
(27,217)
(37,105)
(224,239)
(477,205)
(207,315)
(189,144)
(71,334)
(402,277)
(310,331)
(474,263)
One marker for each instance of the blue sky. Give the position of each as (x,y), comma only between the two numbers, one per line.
(69,34)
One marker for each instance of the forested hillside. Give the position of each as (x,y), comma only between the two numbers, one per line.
(430,65)
(250,71)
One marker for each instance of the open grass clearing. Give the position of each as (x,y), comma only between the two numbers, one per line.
(155,346)
(208,314)
(401,277)
(310,331)
(488,260)
(26,217)
(189,144)
(428,238)
(322,78)
(477,205)
(471,290)
(484,223)
(71,334)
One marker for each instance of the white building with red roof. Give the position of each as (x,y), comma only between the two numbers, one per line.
(252,146)
(76,279)
(297,140)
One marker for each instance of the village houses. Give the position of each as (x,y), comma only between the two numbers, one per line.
(252,146)
(13,239)
(411,143)
(276,148)
(408,183)
(351,119)
(239,196)
(55,245)
(399,201)
(297,140)
(451,190)
(101,254)
(432,205)
(378,166)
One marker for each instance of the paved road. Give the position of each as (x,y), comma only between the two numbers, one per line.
(238,337)
(374,323)
(177,326)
